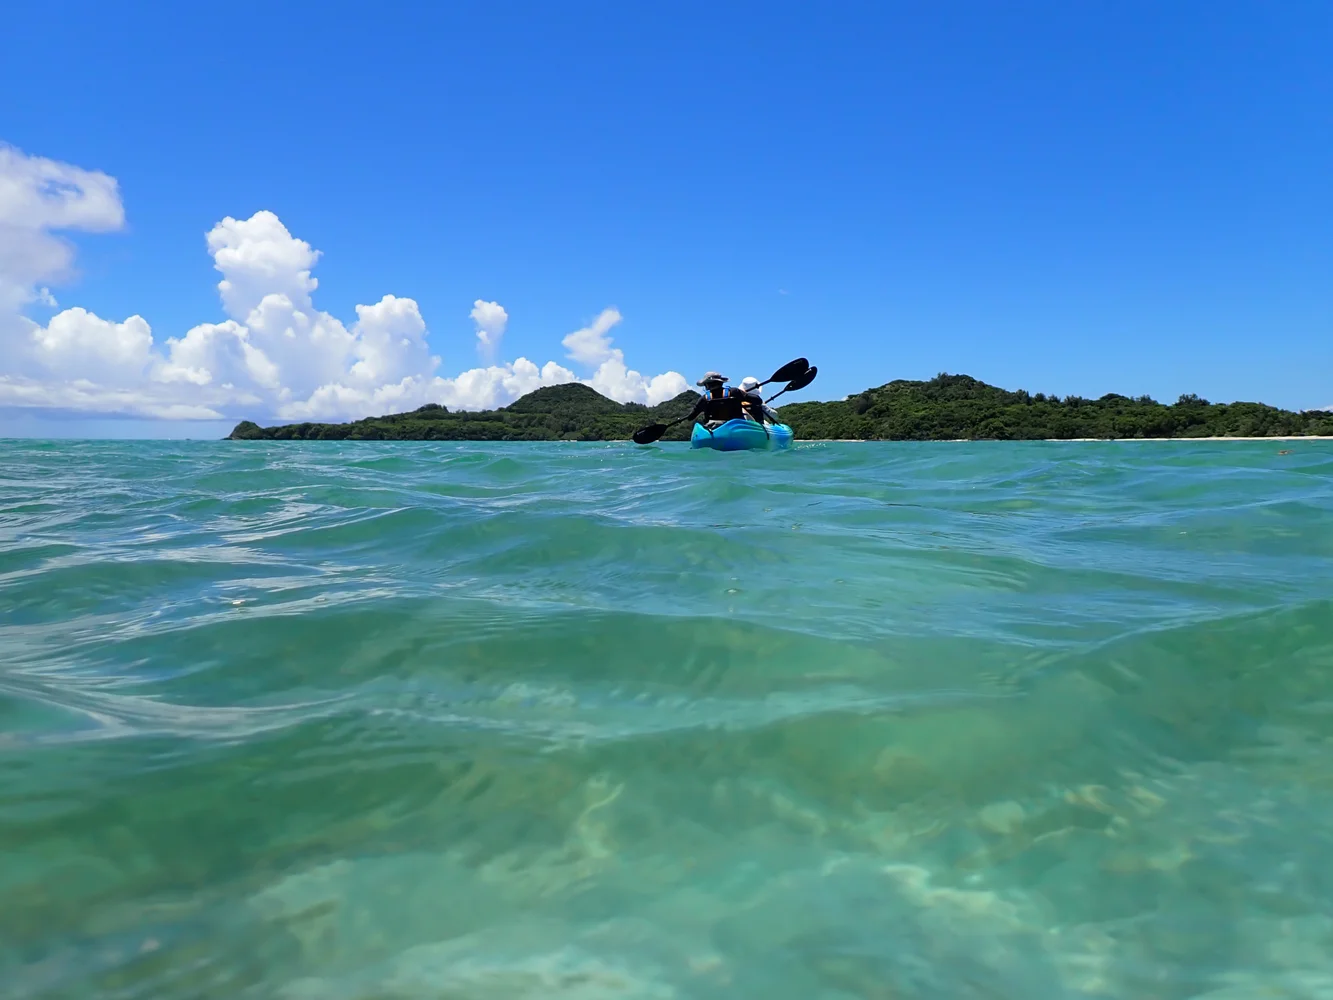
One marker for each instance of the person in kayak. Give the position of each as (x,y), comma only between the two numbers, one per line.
(755,407)
(719,401)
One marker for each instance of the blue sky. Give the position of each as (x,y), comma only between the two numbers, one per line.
(1071,198)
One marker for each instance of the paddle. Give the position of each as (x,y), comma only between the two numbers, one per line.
(791,370)
(799,382)
(649,434)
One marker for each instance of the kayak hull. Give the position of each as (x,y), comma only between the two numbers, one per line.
(742,435)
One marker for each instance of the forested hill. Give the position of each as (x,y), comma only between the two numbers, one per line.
(951,407)
(947,407)
(570,412)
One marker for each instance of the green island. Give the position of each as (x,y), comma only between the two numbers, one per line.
(947,407)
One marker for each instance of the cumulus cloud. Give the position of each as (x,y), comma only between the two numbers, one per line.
(275,355)
(592,345)
(491,320)
(82,345)
(259,259)
(38,196)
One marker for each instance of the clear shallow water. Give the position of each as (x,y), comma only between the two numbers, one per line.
(355,720)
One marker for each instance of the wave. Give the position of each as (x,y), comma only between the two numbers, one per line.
(405,720)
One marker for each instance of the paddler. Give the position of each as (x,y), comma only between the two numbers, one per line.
(755,407)
(719,401)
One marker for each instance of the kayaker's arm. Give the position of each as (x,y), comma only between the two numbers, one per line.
(699,408)
(754,403)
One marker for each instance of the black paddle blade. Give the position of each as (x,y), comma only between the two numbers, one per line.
(801,381)
(790,370)
(649,434)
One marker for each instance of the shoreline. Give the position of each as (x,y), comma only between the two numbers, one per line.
(800,440)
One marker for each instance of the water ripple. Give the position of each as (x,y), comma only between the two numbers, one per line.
(370,720)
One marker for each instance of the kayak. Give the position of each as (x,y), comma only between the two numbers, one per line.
(741,435)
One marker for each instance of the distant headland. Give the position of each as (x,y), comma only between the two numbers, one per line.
(945,408)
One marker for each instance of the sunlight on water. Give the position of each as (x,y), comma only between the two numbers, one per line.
(356,720)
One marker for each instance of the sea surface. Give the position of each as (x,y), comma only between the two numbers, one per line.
(472,721)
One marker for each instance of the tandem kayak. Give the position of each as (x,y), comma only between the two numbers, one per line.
(741,435)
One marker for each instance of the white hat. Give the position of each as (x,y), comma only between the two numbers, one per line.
(749,383)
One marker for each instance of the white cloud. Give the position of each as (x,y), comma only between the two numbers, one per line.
(624,385)
(259,258)
(37,196)
(78,344)
(390,342)
(275,355)
(491,320)
(592,345)
(218,354)
(475,389)
(85,395)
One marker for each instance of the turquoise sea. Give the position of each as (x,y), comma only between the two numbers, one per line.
(481,721)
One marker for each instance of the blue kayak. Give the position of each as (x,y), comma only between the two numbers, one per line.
(741,435)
